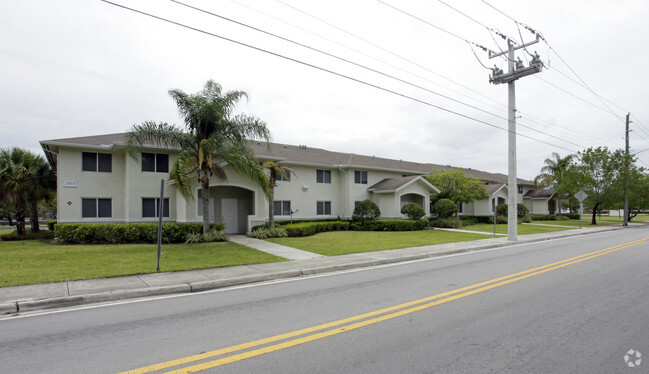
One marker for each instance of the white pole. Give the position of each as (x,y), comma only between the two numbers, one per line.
(512,211)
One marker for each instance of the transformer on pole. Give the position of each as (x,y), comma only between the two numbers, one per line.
(517,69)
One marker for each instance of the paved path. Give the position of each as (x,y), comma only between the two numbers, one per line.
(273,249)
(64,294)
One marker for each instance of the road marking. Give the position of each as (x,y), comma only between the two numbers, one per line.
(362,320)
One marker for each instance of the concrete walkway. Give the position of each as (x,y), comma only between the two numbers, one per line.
(272,248)
(64,294)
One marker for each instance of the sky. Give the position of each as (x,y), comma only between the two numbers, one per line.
(401,86)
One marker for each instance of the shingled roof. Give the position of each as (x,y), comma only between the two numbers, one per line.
(295,155)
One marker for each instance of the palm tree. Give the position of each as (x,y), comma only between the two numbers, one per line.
(552,174)
(14,181)
(212,138)
(42,184)
(275,170)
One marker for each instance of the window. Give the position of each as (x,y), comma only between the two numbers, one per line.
(323,176)
(360,177)
(151,207)
(520,189)
(459,207)
(155,162)
(323,208)
(102,162)
(280,177)
(96,208)
(282,208)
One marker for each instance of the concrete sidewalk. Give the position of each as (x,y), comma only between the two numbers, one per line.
(64,294)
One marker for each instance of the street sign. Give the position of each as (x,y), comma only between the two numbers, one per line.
(581,196)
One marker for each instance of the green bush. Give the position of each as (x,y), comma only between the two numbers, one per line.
(366,210)
(50,224)
(447,223)
(445,208)
(572,215)
(40,235)
(265,232)
(472,220)
(413,210)
(311,228)
(526,219)
(121,233)
(522,210)
(390,225)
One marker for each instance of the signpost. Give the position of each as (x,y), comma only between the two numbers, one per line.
(160,214)
(581,196)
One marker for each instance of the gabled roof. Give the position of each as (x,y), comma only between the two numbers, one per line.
(494,188)
(539,194)
(292,155)
(397,184)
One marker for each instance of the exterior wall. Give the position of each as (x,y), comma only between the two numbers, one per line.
(538,206)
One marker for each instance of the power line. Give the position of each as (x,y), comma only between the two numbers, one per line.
(328,71)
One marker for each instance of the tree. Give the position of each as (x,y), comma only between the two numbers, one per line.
(553,175)
(638,196)
(445,208)
(14,181)
(366,210)
(213,138)
(599,174)
(413,210)
(42,184)
(275,170)
(456,186)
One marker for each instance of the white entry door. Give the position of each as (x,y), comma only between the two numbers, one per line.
(230,215)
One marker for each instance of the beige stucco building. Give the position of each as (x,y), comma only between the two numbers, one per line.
(98,182)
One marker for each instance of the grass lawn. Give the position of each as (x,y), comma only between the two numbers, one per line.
(522,229)
(336,243)
(31,261)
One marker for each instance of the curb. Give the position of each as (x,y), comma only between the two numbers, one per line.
(68,301)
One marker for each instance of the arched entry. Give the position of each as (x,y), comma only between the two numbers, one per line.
(230,205)
(411,198)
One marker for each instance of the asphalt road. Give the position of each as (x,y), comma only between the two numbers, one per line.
(501,311)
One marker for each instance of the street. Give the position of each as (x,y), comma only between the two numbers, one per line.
(559,306)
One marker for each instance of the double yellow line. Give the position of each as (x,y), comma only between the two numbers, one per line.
(347,324)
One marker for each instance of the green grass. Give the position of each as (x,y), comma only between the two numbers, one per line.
(575,223)
(522,229)
(336,243)
(32,262)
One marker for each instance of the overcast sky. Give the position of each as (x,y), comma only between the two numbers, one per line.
(81,67)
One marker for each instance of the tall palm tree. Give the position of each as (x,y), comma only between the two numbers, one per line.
(212,138)
(552,174)
(275,170)
(14,181)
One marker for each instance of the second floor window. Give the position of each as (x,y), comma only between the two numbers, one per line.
(101,162)
(323,176)
(155,162)
(280,177)
(360,177)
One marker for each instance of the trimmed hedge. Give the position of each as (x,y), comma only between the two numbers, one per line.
(122,233)
(551,217)
(50,224)
(312,228)
(390,225)
(447,223)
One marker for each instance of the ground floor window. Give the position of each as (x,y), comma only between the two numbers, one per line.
(282,208)
(151,207)
(96,208)
(323,208)
(459,207)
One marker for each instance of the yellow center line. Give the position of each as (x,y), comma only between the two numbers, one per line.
(440,299)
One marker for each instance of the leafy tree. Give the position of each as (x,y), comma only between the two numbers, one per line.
(413,210)
(14,182)
(42,184)
(638,195)
(599,174)
(553,175)
(456,186)
(212,138)
(7,210)
(445,208)
(275,170)
(366,210)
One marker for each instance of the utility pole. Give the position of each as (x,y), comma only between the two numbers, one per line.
(516,70)
(626,171)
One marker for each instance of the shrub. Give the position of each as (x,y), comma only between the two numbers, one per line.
(472,220)
(40,235)
(447,223)
(445,208)
(572,215)
(265,233)
(311,228)
(390,225)
(413,210)
(214,236)
(526,219)
(366,210)
(121,233)
(50,224)
(522,210)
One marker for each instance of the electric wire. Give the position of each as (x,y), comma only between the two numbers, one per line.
(331,72)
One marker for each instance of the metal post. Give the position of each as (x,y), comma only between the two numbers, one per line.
(160,214)
(495,215)
(512,212)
